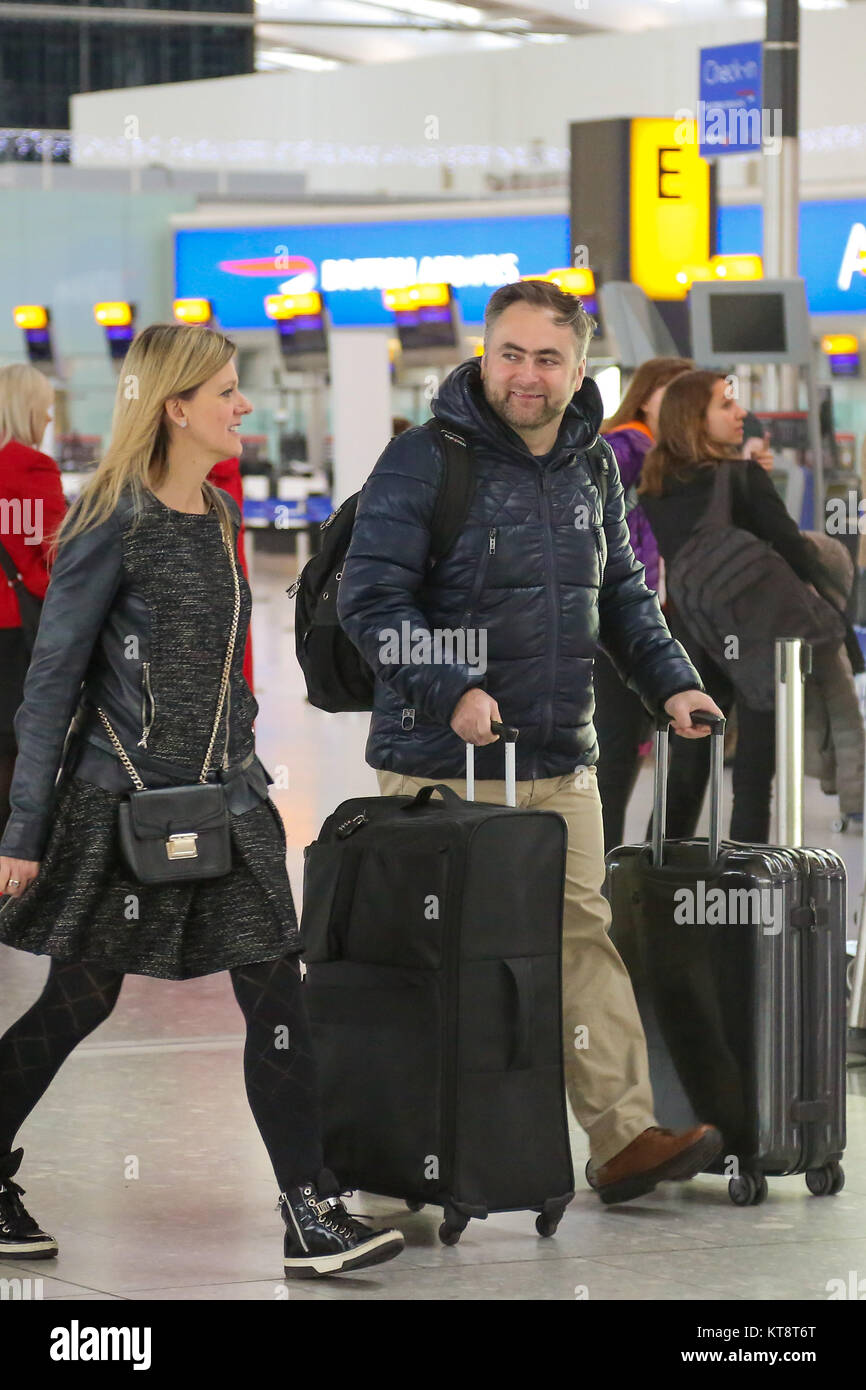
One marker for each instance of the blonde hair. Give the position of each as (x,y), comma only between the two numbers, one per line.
(165,361)
(25,393)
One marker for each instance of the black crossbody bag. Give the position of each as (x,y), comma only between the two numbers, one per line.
(181,834)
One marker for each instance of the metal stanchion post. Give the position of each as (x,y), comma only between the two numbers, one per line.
(790,671)
(660,795)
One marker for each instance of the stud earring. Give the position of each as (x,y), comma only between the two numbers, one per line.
(182,424)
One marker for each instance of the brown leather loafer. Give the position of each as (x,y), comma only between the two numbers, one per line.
(657,1155)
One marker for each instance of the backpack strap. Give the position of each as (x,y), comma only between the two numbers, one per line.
(9,567)
(718,511)
(598,456)
(456,491)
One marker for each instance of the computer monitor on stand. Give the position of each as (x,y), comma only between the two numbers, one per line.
(762,323)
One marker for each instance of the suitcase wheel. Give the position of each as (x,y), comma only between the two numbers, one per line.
(453,1226)
(448,1235)
(826,1181)
(589,1174)
(414,1206)
(748,1190)
(550,1215)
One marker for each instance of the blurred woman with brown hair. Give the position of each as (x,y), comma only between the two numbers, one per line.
(622,723)
(701,430)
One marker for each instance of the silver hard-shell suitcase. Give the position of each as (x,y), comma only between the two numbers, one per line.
(737,957)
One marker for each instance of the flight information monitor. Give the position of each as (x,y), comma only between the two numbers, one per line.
(432,324)
(306,333)
(751,321)
(39,344)
(748,323)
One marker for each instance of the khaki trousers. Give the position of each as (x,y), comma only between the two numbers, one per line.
(606,1067)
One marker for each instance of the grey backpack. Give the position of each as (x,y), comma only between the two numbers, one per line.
(726,583)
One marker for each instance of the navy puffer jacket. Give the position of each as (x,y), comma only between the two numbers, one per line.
(537,578)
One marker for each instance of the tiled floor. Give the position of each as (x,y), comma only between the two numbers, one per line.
(158,1089)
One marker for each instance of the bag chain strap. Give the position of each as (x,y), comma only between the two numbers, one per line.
(224,682)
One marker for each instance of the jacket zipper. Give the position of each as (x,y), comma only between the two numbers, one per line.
(480,574)
(146,695)
(596,535)
(552,607)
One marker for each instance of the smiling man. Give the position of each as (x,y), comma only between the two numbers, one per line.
(544,568)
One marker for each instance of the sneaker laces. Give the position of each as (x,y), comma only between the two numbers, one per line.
(333,1214)
(342,1221)
(12,1206)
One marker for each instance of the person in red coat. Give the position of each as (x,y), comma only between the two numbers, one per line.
(227,475)
(32,507)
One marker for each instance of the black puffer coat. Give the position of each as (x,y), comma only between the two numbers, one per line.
(537,574)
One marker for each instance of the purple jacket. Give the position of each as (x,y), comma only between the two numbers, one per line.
(631,445)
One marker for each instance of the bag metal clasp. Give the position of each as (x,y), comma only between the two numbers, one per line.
(182,846)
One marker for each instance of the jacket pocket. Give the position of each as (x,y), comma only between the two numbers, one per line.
(148,705)
(487,554)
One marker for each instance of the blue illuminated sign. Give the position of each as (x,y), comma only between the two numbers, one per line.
(353,262)
(832,250)
(236,267)
(729,112)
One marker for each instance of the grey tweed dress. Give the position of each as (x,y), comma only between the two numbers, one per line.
(84,904)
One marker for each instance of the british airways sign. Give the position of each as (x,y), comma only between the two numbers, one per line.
(352,263)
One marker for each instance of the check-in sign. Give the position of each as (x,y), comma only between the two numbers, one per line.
(669,201)
(729,112)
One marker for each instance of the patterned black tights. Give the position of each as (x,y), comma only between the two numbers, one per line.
(279,1069)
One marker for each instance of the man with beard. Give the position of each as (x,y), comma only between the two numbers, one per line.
(544,569)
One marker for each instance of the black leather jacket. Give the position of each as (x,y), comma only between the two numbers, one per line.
(99,644)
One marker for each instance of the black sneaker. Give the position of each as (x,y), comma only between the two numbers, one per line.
(20,1237)
(322,1238)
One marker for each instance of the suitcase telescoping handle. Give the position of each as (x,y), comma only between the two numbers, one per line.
(510,736)
(660,782)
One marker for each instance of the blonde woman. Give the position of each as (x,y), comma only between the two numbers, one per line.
(108,874)
(31,509)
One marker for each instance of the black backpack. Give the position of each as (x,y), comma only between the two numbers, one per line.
(726,582)
(338,678)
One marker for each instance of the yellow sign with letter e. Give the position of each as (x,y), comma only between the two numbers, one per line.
(669,207)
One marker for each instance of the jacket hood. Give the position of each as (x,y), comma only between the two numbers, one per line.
(461,404)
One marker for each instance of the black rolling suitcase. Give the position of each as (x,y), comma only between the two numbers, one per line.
(737,956)
(432,933)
